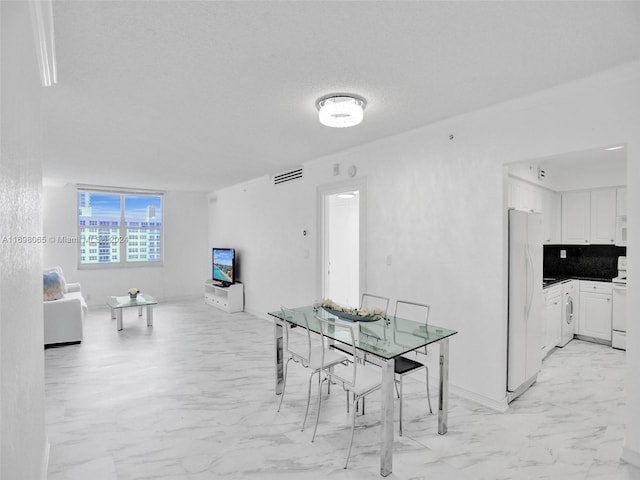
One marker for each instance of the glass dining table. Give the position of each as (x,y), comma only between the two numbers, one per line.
(382,341)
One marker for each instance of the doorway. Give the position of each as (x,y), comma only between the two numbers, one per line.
(342,217)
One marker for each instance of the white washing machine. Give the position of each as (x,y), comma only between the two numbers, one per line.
(569,291)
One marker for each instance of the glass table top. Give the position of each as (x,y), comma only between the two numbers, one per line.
(125,301)
(386,338)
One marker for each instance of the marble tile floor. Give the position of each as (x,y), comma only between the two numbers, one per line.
(192,398)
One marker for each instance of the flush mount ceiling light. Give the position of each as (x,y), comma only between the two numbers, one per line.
(615,148)
(341,110)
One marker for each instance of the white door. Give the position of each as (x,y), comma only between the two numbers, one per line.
(342,249)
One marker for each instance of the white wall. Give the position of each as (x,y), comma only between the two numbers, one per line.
(437,206)
(23,443)
(186,251)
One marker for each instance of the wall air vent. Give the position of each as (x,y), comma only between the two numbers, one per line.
(287,176)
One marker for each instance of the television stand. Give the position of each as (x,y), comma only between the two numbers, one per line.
(228,298)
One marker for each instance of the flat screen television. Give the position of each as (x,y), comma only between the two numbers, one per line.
(223,264)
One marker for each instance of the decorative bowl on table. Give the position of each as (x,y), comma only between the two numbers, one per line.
(133,293)
(348,313)
(351,317)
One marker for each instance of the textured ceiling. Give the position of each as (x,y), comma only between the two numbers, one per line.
(196,96)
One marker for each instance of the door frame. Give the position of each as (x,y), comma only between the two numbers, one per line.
(323,192)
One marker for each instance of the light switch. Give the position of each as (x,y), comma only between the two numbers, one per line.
(563,254)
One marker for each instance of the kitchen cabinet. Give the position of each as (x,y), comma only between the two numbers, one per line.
(522,195)
(621,201)
(589,217)
(594,320)
(603,216)
(576,218)
(551,318)
(551,217)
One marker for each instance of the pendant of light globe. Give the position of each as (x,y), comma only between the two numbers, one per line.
(341,110)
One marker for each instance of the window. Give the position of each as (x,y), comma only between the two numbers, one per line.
(117,228)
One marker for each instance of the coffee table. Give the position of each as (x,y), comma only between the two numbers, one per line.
(117,304)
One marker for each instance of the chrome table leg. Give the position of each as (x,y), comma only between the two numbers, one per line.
(279,357)
(386,438)
(443,396)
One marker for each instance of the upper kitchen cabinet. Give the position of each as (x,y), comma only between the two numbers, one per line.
(621,201)
(603,216)
(589,217)
(551,217)
(525,196)
(576,218)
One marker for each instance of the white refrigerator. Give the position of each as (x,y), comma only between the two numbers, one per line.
(524,350)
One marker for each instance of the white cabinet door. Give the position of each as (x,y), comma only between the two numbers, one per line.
(576,218)
(551,218)
(523,196)
(621,202)
(551,319)
(555,323)
(603,217)
(595,315)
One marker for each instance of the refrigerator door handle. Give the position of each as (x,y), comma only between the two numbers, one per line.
(530,287)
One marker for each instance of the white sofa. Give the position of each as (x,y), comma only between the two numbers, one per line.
(64,318)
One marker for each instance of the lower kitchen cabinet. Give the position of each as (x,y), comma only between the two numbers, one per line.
(552,318)
(595,310)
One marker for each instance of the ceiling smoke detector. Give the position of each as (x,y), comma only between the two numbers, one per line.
(341,110)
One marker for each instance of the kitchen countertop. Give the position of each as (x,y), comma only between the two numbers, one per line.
(554,280)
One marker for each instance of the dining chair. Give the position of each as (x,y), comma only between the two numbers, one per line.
(371,301)
(404,365)
(300,350)
(360,379)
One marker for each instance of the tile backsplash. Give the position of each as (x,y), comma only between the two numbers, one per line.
(598,261)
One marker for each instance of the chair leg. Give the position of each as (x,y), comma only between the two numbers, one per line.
(353,429)
(400,406)
(315,429)
(428,393)
(396,384)
(284,383)
(309,398)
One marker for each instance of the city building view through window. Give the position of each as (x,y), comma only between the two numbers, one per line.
(119,228)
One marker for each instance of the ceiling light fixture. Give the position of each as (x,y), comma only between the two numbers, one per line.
(341,110)
(615,148)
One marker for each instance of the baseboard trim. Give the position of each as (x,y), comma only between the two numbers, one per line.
(586,338)
(500,406)
(631,456)
(45,459)
(262,315)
